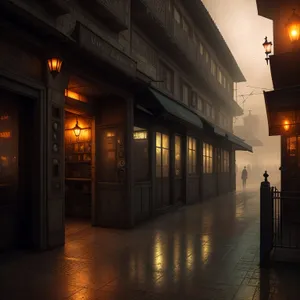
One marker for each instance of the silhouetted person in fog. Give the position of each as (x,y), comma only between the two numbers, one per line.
(244,177)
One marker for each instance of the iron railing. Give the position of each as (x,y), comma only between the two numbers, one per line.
(286,219)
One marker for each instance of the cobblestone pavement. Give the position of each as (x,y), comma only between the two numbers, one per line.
(203,251)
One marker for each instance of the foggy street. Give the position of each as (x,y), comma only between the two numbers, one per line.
(205,251)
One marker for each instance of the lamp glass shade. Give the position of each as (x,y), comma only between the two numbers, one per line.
(293,27)
(286,125)
(54,65)
(267,46)
(77,130)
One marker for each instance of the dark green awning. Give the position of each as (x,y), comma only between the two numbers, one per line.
(239,143)
(177,110)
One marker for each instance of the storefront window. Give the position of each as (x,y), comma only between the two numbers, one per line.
(141,154)
(291,146)
(207,158)
(162,155)
(192,156)
(177,156)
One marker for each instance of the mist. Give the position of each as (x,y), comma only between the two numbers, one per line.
(244,32)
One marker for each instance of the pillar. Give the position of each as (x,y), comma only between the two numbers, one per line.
(54,160)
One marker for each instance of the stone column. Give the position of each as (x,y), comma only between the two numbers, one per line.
(266,221)
(54,158)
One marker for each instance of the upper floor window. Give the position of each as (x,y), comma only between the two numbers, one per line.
(201,50)
(213,114)
(206,57)
(199,103)
(177,15)
(208,110)
(213,68)
(224,82)
(220,76)
(185,26)
(185,94)
(167,78)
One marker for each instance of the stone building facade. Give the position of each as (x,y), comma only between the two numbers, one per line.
(138,120)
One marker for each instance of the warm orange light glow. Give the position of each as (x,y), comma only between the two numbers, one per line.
(5,134)
(75,96)
(140,135)
(110,134)
(293,27)
(54,65)
(4,118)
(286,125)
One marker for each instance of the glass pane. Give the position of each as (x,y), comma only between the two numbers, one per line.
(158,162)
(194,144)
(165,162)
(177,155)
(291,146)
(165,139)
(190,143)
(158,139)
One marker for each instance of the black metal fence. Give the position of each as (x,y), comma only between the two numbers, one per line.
(286,219)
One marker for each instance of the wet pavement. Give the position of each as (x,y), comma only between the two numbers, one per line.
(204,251)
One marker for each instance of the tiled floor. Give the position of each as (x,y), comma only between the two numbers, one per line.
(204,251)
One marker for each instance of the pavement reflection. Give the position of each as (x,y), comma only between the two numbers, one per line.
(204,251)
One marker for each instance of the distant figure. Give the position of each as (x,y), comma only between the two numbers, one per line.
(244,177)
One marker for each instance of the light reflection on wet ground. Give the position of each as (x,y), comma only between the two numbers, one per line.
(204,251)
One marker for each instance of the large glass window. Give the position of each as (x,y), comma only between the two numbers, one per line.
(192,156)
(207,158)
(141,157)
(226,161)
(178,168)
(162,155)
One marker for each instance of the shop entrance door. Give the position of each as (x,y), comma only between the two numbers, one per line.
(17,149)
(79,166)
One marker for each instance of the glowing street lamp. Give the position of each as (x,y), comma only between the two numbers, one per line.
(77,129)
(286,125)
(293,27)
(54,65)
(268,49)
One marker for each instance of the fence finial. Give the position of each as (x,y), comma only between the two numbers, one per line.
(266,175)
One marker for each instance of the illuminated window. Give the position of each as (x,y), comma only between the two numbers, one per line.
(162,155)
(291,146)
(206,57)
(178,156)
(192,156)
(207,158)
(141,155)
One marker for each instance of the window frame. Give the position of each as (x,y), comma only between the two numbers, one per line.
(178,163)
(183,100)
(161,147)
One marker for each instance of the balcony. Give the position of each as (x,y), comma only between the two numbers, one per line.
(114,13)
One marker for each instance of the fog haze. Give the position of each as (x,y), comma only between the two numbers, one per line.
(244,32)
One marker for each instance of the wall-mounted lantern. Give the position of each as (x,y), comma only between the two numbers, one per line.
(268,49)
(77,129)
(54,65)
(293,27)
(286,125)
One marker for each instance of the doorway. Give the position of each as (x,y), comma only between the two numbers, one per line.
(79,166)
(18,168)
